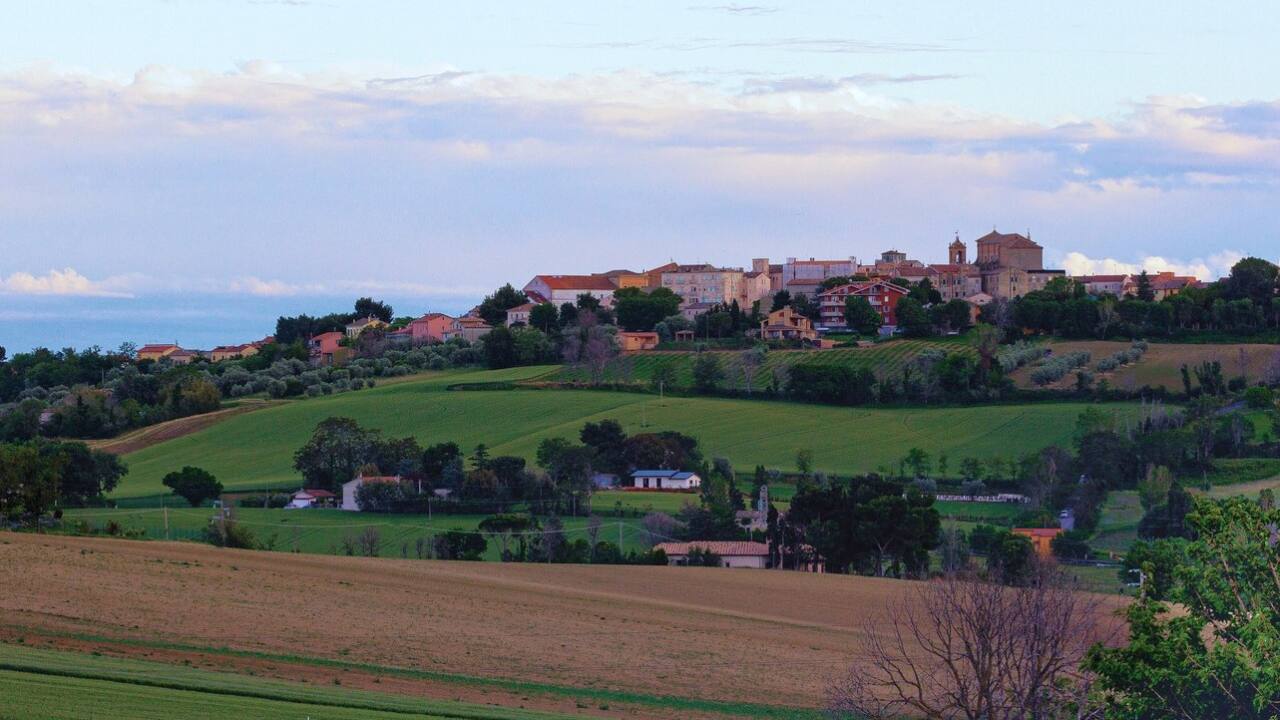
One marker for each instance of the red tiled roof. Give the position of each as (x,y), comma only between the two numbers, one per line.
(719,547)
(158,347)
(330,334)
(1010,240)
(1038,532)
(521,308)
(576,282)
(315,493)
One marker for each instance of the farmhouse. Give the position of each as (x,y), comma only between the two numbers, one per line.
(633,341)
(311,498)
(561,289)
(350,487)
(325,348)
(665,479)
(355,328)
(732,554)
(785,324)
(156,351)
(1041,538)
(519,315)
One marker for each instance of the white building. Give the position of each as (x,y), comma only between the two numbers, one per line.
(665,479)
(732,554)
(561,289)
(350,487)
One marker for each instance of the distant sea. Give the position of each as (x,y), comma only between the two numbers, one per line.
(194,321)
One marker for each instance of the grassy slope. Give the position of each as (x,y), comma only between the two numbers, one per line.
(255,450)
(323,531)
(886,358)
(48,684)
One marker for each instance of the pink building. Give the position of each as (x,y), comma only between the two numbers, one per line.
(430,328)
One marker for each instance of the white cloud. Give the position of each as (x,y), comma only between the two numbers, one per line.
(250,285)
(65,282)
(1211,268)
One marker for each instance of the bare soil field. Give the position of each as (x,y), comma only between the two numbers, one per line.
(688,634)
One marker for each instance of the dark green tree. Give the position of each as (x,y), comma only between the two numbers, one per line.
(193,484)
(860,316)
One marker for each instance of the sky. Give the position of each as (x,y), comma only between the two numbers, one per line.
(190,169)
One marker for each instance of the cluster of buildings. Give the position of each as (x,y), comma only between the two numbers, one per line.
(1006,265)
(177,355)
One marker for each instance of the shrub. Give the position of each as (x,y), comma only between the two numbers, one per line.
(230,534)
(1057,367)
(1259,398)
(1014,356)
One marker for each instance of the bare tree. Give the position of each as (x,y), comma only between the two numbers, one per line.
(659,527)
(970,647)
(1107,317)
(593,532)
(370,542)
(590,344)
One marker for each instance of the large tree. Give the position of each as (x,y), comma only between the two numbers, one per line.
(193,484)
(494,307)
(87,475)
(913,318)
(368,307)
(1214,654)
(1253,279)
(638,311)
(860,316)
(338,448)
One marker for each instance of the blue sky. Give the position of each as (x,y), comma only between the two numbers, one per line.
(168,156)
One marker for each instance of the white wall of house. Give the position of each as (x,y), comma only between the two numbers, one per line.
(729,561)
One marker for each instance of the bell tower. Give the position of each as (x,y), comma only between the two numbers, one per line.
(957,252)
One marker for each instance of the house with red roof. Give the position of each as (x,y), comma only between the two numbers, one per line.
(561,289)
(352,487)
(732,553)
(156,351)
(882,295)
(326,348)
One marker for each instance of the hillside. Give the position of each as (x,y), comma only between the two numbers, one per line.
(1162,362)
(255,450)
(886,358)
(617,641)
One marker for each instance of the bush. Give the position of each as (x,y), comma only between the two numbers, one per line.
(1056,368)
(230,534)
(1014,356)
(1259,398)
(1071,545)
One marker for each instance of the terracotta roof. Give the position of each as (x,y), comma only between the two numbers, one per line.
(1010,240)
(432,316)
(158,347)
(719,547)
(315,493)
(953,268)
(330,334)
(1038,532)
(576,282)
(521,308)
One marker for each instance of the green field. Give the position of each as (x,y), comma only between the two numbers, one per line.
(254,450)
(50,684)
(1001,514)
(885,358)
(1118,524)
(323,531)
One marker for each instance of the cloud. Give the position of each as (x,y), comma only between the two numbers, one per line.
(1211,268)
(65,282)
(444,180)
(735,9)
(821,84)
(269,288)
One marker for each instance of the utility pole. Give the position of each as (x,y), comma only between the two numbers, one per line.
(619,536)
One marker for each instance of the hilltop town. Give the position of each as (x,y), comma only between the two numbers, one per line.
(1005,266)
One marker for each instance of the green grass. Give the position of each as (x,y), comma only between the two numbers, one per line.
(128,673)
(1235,471)
(1118,524)
(989,513)
(885,359)
(50,684)
(323,531)
(255,450)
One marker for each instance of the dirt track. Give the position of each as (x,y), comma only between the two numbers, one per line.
(170,429)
